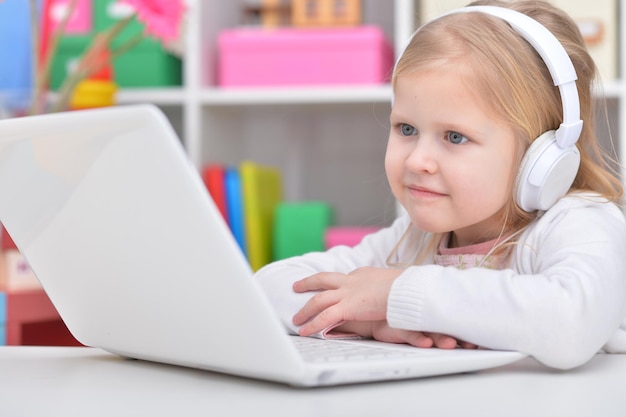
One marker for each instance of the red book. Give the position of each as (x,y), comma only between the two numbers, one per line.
(213,177)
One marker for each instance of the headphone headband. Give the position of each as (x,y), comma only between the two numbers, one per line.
(556,59)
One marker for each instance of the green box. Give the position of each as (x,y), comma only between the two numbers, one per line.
(107,13)
(69,51)
(299,228)
(144,66)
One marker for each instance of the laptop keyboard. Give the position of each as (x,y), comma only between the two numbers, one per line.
(323,351)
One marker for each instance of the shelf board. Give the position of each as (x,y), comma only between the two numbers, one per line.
(159,96)
(215,96)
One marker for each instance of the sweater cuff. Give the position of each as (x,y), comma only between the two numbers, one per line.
(405,305)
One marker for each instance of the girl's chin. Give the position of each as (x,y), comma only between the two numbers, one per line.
(427,226)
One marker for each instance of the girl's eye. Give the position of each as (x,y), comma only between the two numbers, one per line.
(456,138)
(407,130)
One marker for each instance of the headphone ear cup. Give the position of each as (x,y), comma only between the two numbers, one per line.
(546,173)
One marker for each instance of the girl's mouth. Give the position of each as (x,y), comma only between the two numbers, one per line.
(423,192)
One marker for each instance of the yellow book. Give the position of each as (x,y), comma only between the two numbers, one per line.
(262,190)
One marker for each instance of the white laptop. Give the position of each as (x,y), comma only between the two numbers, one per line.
(119,228)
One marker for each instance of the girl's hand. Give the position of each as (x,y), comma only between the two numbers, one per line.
(360,300)
(381,331)
(358,296)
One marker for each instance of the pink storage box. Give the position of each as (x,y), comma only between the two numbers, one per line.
(292,56)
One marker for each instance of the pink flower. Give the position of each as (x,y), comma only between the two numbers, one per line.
(161,17)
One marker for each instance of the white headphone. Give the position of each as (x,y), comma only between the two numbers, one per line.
(551,163)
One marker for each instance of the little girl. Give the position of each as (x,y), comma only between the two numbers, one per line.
(475,261)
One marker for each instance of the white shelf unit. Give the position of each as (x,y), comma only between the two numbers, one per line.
(329,142)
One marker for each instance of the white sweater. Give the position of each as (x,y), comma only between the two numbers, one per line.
(561,300)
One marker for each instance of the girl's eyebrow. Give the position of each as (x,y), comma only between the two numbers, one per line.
(399,115)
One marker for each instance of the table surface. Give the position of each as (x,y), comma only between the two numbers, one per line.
(76,381)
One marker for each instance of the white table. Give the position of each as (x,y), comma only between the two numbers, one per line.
(59,381)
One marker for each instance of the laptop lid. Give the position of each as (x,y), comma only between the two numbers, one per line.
(119,228)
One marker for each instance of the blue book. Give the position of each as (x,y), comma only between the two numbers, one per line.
(234,204)
(3,319)
(15,54)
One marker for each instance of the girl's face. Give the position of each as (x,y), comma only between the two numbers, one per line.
(449,162)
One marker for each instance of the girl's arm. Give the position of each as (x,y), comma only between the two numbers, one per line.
(562,301)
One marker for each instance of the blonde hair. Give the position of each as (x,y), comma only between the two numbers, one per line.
(496,62)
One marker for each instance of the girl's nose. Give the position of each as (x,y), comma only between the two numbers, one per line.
(422,157)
